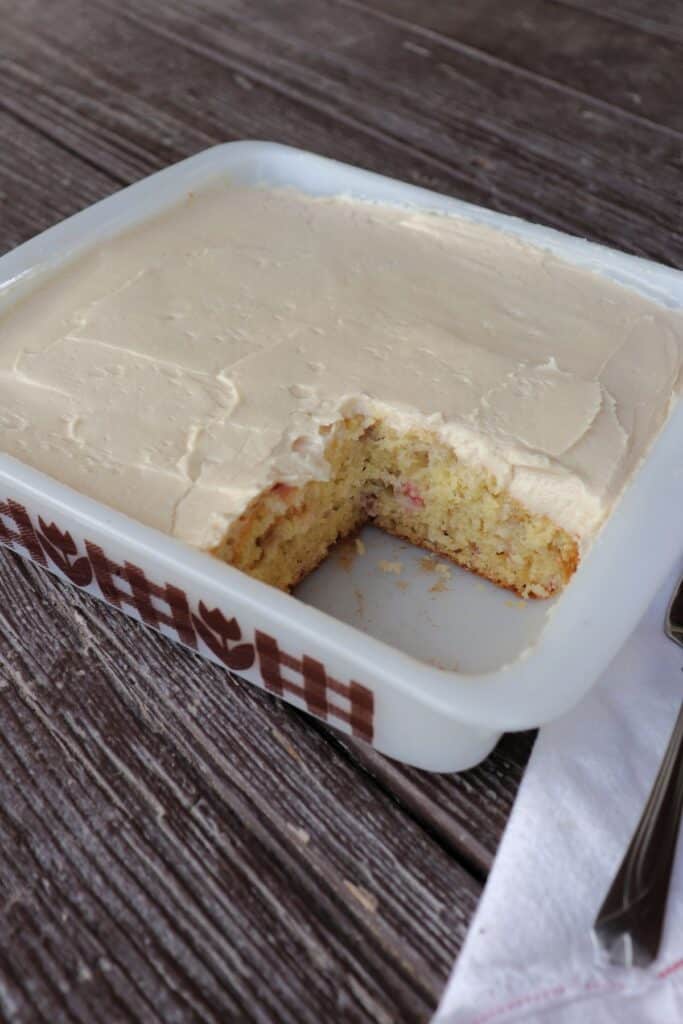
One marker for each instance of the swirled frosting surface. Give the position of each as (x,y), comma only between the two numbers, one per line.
(179,369)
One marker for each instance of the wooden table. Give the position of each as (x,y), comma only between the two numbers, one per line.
(175,845)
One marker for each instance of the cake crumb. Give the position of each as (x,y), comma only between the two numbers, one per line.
(430,564)
(300,834)
(453,667)
(365,898)
(346,555)
(360,546)
(515,604)
(285,743)
(402,584)
(439,587)
(388,567)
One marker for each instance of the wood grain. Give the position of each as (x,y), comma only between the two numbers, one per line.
(441,115)
(465,813)
(175,845)
(194,842)
(658,17)
(591,48)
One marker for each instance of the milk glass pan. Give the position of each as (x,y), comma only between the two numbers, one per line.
(428,674)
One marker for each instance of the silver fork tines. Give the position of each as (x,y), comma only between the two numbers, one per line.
(630,922)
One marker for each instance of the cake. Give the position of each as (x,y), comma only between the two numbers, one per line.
(259,372)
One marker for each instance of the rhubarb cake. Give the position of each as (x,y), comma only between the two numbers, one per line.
(258,372)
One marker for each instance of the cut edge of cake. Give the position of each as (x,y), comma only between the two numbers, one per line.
(411,485)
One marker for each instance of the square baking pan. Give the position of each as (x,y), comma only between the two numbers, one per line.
(430,671)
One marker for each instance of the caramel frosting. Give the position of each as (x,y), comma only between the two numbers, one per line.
(179,369)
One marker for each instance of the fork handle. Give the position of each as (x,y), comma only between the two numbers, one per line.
(674,619)
(630,922)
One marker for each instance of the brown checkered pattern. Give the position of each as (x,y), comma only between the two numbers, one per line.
(175,611)
(349,706)
(315,687)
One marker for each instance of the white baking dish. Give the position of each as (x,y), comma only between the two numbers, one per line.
(505,664)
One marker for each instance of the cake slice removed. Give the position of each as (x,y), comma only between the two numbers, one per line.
(413,486)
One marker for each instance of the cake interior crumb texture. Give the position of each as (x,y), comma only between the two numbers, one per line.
(414,487)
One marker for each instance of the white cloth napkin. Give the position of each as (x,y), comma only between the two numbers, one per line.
(529,955)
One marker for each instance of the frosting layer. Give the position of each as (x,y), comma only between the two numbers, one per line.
(179,369)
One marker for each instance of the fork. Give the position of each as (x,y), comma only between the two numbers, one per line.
(630,922)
